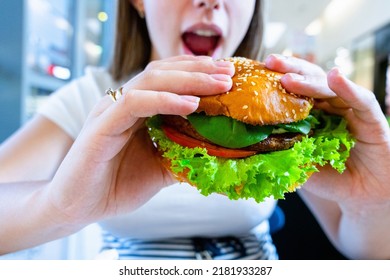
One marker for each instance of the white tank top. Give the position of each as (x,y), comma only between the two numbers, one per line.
(180,211)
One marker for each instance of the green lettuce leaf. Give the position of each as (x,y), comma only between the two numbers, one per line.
(262,175)
(303,126)
(228,132)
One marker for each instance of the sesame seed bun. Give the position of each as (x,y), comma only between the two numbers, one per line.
(257,97)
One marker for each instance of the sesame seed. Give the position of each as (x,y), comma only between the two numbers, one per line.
(245,107)
(256,93)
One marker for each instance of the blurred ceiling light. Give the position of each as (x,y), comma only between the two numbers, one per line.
(273,33)
(287,52)
(102,16)
(338,8)
(343,60)
(314,28)
(92,49)
(62,23)
(343,52)
(39,6)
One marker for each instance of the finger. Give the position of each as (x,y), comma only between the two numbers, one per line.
(365,118)
(327,106)
(302,77)
(312,86)
(362,101)
(136,104)
(205,65)
(180,82)
(289,64)
(187,57)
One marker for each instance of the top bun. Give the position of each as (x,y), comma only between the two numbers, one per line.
(256,97)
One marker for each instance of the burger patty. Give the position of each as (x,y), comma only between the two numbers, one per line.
(274,142)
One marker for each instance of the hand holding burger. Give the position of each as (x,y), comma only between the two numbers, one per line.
(255,141)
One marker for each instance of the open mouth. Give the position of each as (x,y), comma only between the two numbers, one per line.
(201,42)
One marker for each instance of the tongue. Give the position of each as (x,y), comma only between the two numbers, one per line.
(200,45)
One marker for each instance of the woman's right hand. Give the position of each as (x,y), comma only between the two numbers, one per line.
(113,168)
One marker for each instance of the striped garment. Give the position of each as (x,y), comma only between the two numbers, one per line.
(249,247)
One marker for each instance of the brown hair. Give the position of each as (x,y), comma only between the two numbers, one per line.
(133,47)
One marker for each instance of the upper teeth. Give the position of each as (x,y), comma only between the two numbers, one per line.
(204,32)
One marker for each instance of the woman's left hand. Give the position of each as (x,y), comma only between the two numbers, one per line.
(353,208)
(365,182)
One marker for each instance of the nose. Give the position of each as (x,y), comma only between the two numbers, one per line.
(208,4)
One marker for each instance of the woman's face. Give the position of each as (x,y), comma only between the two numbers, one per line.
(198,27)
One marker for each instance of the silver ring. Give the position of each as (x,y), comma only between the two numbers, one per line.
(114,94)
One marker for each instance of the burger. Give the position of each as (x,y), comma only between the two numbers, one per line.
(255,141)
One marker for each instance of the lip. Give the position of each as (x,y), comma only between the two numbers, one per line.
(212,28)
(205,29)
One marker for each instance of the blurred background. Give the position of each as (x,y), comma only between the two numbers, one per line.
(46,43)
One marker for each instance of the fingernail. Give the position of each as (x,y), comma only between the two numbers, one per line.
(279,56)
(221,77)
(190,98)
(338,71)
(223,63)
(296,77)
(204,57)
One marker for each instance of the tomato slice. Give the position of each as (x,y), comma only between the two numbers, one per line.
(212,150)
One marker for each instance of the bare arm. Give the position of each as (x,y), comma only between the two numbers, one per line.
(34,152)
(27,218)
(28,160)
(357,234)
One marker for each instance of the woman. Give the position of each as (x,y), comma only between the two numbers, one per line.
(85,159)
